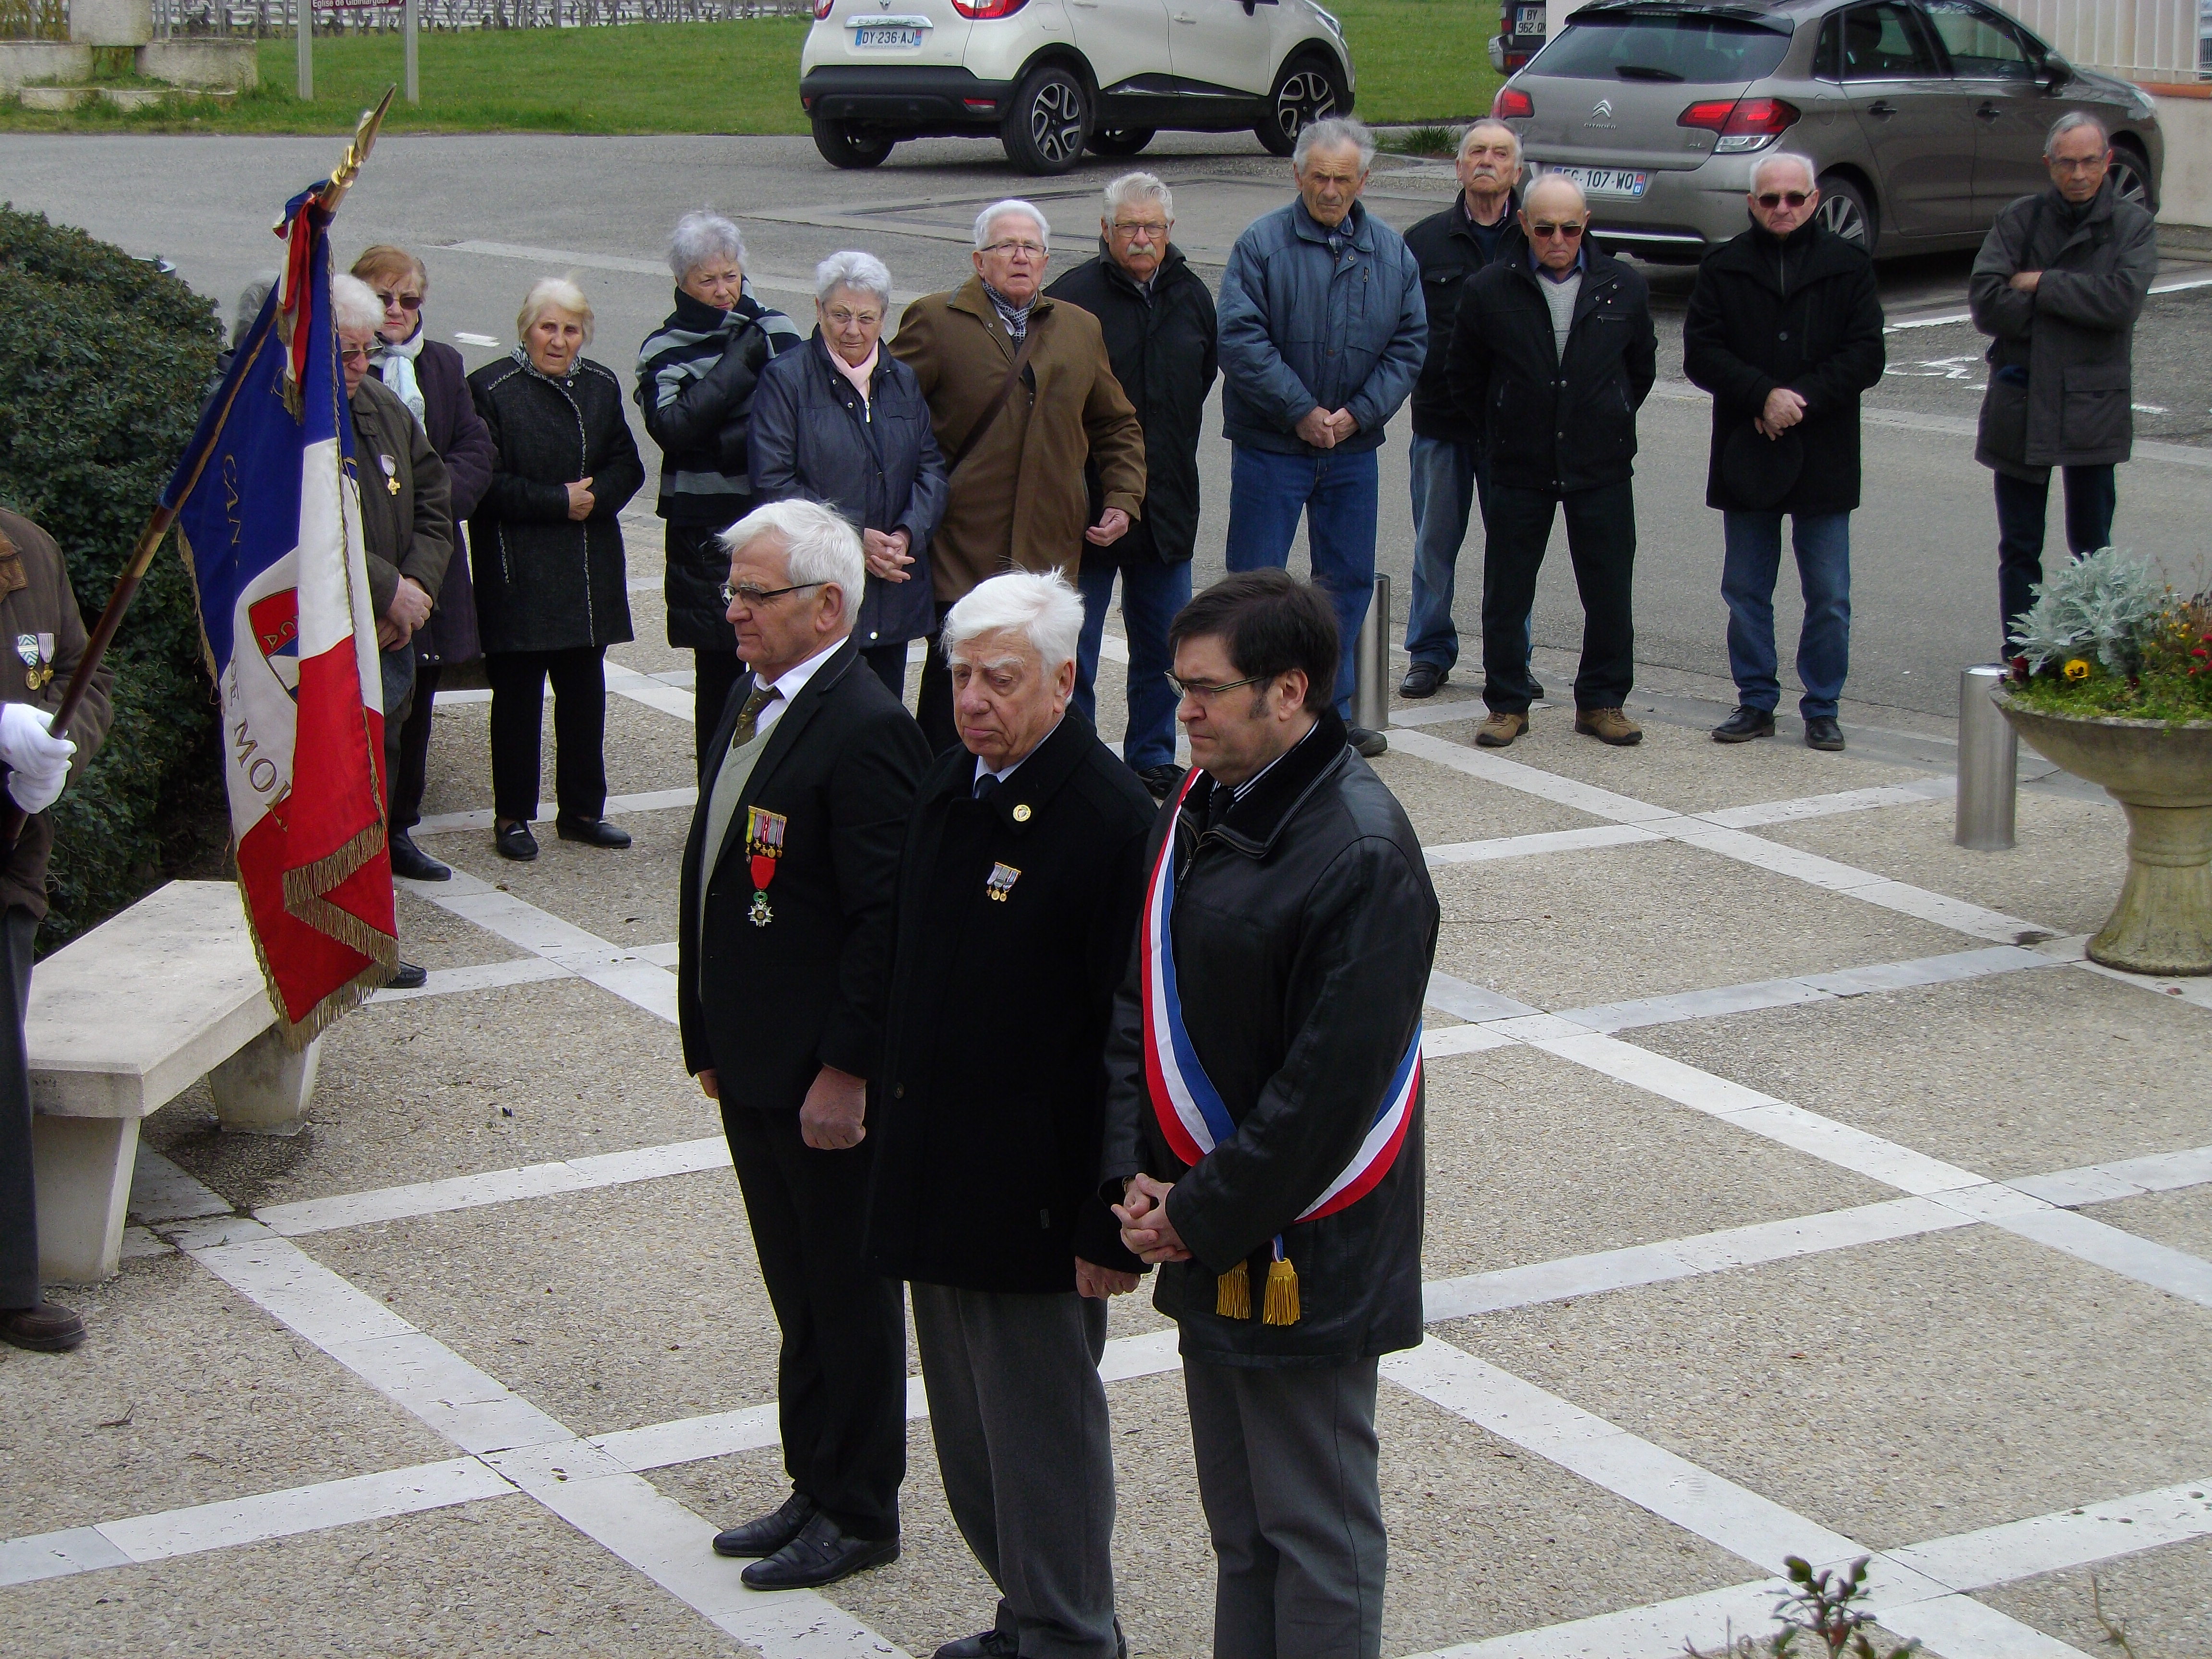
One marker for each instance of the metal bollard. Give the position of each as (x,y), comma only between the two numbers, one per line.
(1370,664)
(1989,763)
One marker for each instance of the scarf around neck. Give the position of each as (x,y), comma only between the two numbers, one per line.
(395,365)
(859,373)
(1016,318)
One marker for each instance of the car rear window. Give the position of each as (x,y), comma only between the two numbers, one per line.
(1661,46)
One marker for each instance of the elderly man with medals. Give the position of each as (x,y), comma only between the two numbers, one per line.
(1264,1113)
(785,946)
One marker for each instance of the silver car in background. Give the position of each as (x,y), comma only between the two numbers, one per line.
(1926,116)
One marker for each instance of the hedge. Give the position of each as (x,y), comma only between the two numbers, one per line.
(103,363)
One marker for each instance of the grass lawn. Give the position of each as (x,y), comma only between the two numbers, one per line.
(1417,60)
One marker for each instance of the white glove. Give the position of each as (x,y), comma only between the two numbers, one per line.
(39,761)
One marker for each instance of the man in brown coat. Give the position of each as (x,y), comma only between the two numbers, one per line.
(39,618)
(1019,500)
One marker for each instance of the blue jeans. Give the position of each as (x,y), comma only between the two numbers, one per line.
(1448,480)
(1151,592)
(1823,542)
(1337,495)
(2024,511)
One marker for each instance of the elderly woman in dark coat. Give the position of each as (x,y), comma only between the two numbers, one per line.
(552,588)
(429,377)
(845,423)
(696,375)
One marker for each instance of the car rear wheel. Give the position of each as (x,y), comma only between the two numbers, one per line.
(1845,210)
(1309,89)
(1121,140)
(1046,128)
(2130,175)
(843,144)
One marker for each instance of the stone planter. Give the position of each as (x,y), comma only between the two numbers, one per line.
(57,62)
(55,99)
(2161,775)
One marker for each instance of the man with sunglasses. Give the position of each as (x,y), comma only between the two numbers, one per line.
(1784,330)
(1551,354)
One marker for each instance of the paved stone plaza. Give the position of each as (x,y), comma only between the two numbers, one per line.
(1795,1188)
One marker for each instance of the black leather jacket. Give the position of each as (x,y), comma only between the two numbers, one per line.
(1304,925)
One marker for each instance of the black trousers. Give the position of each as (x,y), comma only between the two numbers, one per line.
(841,1376)
(410,767)
(2024,512)
(517,723)
(935,712)
(888,663)
(719,672)
(1602,542)
(19,1214)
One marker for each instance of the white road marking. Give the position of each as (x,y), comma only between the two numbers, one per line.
(650,800)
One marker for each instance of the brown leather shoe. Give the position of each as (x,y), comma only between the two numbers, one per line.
(45,1329)
(1500,729)
(1609,725)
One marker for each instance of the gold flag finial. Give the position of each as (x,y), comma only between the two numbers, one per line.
(364,140)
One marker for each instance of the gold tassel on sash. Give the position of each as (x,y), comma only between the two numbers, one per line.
(1232,1293)
(1282,1304)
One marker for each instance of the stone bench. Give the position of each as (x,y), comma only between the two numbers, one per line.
(122,1021)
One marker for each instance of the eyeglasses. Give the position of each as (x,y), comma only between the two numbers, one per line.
(2081,164)
(405,301)
(852,319)
(1774,199)
(1139,233)
(755,597)
(1207,693)
(1015,249)
(354,354)
(1558,233)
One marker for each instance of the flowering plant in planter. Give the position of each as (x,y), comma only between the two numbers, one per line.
(2105,637)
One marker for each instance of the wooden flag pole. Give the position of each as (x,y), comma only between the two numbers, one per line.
(12,817)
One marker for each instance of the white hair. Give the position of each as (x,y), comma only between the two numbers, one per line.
(2068,123)
(700,236)
(1784,158)
(1006,209)
(1491,125)
(1334,133)
(354,305)
(1043,608)
(863,273)
(818,546)
(552,293)
(1134,187)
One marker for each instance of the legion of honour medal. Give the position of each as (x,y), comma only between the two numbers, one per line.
(764,845)
(1002,883)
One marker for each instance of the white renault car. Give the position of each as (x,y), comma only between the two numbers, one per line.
(1052,77)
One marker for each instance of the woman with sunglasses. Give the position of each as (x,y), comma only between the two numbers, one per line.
(429,376)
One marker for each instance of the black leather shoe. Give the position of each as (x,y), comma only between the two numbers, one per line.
(43,1328)
(986,1645)
(771,1533)
(1745,723)
(592,832)
(1422,680)
(516,842)
(411,861)
(1821,731)
(407,977)
(1161,780)
(1369,744)
(822,1553)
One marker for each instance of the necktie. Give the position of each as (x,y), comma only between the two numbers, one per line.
(987,786)
(749,717)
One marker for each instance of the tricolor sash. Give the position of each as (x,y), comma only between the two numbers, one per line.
(1189,1108)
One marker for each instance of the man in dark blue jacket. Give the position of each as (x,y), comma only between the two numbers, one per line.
(1479,229)
(1323,332)
(1554,353)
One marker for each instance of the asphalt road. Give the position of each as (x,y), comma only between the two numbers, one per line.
(489,214)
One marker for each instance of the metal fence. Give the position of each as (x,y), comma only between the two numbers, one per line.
(280,17)
(2150,40)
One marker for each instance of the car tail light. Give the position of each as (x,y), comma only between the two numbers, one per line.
(983,10)
(1510,102)
(822,9)
(1742,123)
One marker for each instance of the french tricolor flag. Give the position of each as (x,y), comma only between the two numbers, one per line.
(269,517)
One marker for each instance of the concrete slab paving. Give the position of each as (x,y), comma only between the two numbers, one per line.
(1445,808)
(189,1395)
(2161,1602)
(626,895)
(420,1089)
(2016,1074)
(432,938)
(501,1577)
(1577,928)
(2182,1219)
(1903,1391)
(1611,1166)
(2064,874)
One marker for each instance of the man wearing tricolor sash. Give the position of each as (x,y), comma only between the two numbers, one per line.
(1264,1113)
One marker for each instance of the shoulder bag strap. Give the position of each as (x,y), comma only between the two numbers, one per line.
(991,410)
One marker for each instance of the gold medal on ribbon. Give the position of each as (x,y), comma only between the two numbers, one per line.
(763,847)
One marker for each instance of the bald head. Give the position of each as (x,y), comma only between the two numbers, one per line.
(1553,215)
(1558,193)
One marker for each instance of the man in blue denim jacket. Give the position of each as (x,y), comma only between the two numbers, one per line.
(1323,335)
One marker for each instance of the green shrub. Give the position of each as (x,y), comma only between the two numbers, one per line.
(102,365)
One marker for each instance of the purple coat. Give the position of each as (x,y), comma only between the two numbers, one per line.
(458,433)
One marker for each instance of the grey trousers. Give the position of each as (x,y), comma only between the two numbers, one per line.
(1286,1469)
(19,1216)
(1027,1453)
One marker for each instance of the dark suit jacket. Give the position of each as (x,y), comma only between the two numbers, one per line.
(769,1007)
